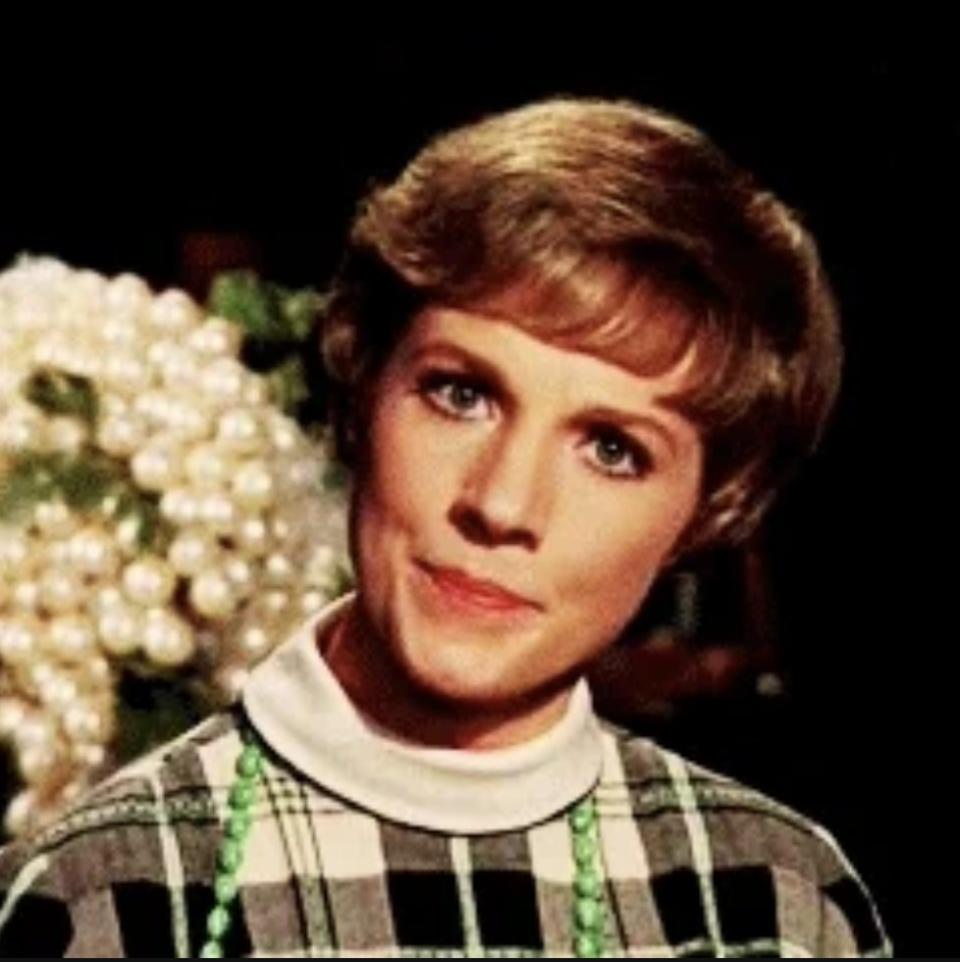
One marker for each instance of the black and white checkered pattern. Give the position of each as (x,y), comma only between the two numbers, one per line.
(695,865)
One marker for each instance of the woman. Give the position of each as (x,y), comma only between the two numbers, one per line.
(569,345)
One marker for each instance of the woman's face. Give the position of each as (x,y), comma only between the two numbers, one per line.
(553,474)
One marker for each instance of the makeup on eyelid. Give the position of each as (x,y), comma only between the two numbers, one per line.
(433,380)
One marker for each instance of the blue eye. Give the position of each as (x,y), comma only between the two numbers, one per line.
(452,394)
(614,449)
(459,396)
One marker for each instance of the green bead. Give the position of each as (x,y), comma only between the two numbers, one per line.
(238,824)
(583,817)
(587,884)
(584,849)
(589,914)
(231,854)
(211,950)
(218,921)
(242,794)
(250,762)
(587,945)
(225,888)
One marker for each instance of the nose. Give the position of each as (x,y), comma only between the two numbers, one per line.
(506,493)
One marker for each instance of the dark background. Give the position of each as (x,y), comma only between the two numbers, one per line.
(129,156)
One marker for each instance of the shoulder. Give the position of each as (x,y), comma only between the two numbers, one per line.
(655,779)
(119,843)
(750,848)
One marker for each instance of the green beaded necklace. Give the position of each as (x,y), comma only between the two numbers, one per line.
(589,915)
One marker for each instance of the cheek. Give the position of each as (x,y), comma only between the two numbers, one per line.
(616,556)
(409,477)
(402,497)
(608,584)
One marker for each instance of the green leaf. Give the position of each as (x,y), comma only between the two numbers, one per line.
(18,495)
(84,481)
(151,532)
(144,508)
(266,311)
(300,309)
(288,384)
(32,478)
(241,297)
(58,392)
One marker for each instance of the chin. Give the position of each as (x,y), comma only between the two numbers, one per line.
(456,686)
(460,681)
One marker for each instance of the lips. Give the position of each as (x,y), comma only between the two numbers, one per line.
(483,593)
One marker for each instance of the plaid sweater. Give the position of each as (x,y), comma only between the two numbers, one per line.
(694,865)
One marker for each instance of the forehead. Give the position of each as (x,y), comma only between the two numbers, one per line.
(533,363)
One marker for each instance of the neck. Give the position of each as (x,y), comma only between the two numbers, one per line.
(381,691)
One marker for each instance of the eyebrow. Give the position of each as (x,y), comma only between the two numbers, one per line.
(589,415)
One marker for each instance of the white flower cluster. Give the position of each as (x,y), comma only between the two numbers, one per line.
(256,539)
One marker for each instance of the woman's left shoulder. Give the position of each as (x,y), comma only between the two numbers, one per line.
(751,847)
(654,777)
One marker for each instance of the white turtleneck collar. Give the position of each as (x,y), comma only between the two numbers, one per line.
(301,711)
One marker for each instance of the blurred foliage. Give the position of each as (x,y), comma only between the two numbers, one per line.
(278,324)
(58,392)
